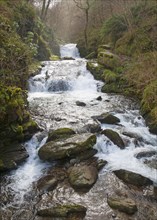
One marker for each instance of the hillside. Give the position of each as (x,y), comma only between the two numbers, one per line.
(132,38)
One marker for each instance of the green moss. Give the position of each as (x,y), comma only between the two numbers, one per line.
(54,58)
(96,69)
(109,76)
(60,133)
(149,98)
(109,60)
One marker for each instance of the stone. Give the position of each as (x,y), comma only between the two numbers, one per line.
(82,177)
(107,118)
(47,183)
(60,133)
(82,104)
(133,178)
(11,155)
(68,148)
(109,60)
(125,205)
(62,210)
(92,128)
(145,154)
(114,137)
(99,98)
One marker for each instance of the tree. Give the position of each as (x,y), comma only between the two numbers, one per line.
(85,6)
(45,7)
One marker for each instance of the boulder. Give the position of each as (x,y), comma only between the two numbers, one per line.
(82,177)
(125,205)
(78,103)
(99,98)
(108,60)
(145,154)
(61,133)
(114,137)
(133,178)
(95,69)
(62,210)
(11,155)
(107,118)
(68,148)
(91,128)
(152,162)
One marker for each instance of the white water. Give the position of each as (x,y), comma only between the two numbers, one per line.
(52,98)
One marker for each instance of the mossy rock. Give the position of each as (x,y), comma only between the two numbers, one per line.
(114,137)
(30,128)
(61,133)
(54,58)
(62,210)
(105,47)
(67,148)
(113,87)
(109,60)
(83,177)
(133,178)
(125,205)
(44,52)
(95,69)
(107,118)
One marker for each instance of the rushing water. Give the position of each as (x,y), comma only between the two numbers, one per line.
(52,99)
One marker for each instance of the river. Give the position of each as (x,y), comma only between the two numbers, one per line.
(52,97)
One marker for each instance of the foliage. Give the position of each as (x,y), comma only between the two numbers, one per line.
(113,28)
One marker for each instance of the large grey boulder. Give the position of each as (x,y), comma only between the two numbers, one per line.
(68,148)
(82,177)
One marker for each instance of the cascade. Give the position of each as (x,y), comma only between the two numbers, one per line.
(52,100)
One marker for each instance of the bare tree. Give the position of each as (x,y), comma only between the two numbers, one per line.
(85,6)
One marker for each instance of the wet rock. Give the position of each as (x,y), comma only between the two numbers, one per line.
(152,162)
(145,154)
(82,177)
(101,163)
(114,137)
(62,210)
(78,103)
(47,183)
(61,133)
(68,58)
(91,128)
(68,148)
(122,204)
(155,191)
(132,135)
(99,98)
(133,178)
(107,118)
(11,156)
(86,155)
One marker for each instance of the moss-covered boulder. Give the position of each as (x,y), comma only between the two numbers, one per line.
(108,60)
(54,58)
(64,210)
(82,177)
(133,178)
(114,137)
(107,118)
(67,148)
(61,133)
(125,205)
(47,183)
(95,69)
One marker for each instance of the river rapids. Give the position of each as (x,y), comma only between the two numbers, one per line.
(52,102)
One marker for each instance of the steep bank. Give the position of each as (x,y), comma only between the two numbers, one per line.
(24,41)
(127,57)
